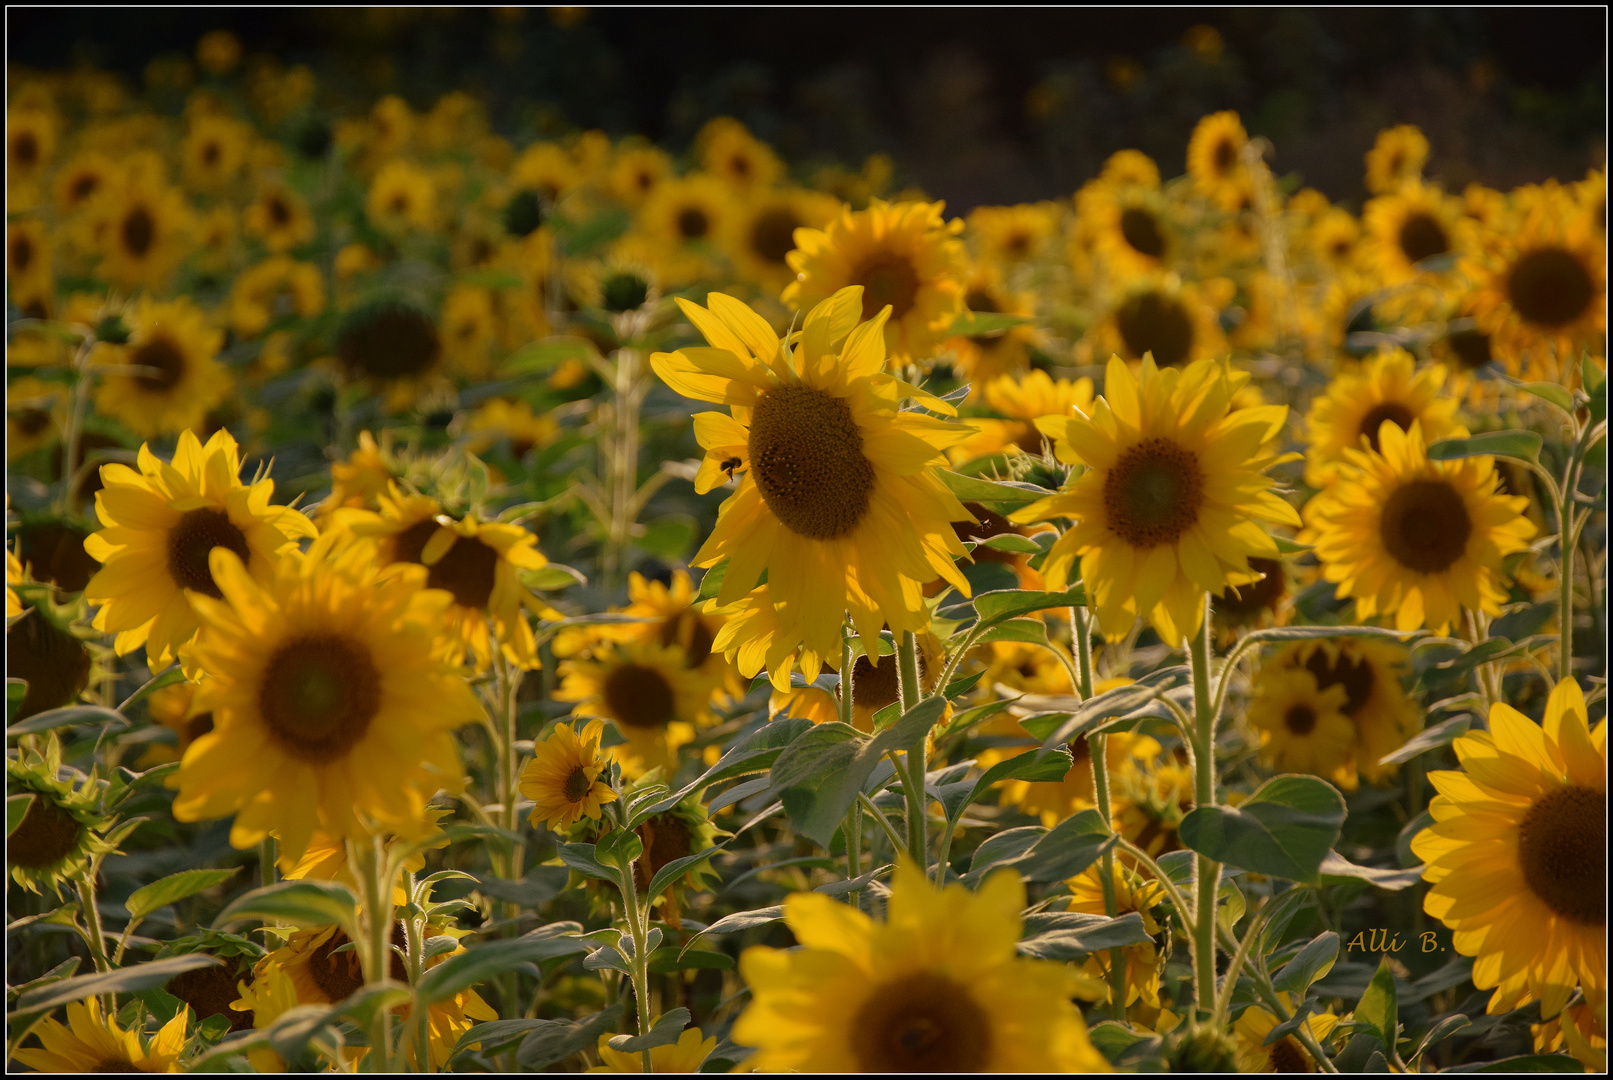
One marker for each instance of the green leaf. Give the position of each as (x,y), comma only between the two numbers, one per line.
(1378,1008)
(981,323)
(548,354)
(1284,830)
(1447,1026)
(1314,961)
(551,577)
(123,980)
(974,489)
(1012,542)
(1051,855)
(1337,870)
(1035,765)
(619,848)
(996,607)
(1524,445)
(481,963)
(295,903)
(164,891)
(1072,936)
(667,960)
(16,690)
(1442,734)
(675,869)
(1025,631)
(754,753)
(664,1032)
(65,717)
(1555,393)
(1363,1053)
(668,538)
(580,857)
(711,583)
(1312,633)
(1056,729)
(1280,913)
(17,809)
(362,1004)
(496,1035)
(819,776)
(557,1040)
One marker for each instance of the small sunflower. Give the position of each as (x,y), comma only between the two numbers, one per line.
(1150,799)
(36,414)
(1302,727)
(141,231)
(28,261)
(268,997)
(1517,854)
(91,1042)
(279,217)
(1133,893)
(1287,1054)
(731,153)
(1396,158)
(391,345)
(30,145)
(1021,402)
(1334,240)
(839,503)
(333,704)
(402,198)
(688,220)
(764,234)
(1408,225)
(363,478)
(545,169)
(469,326)
(1388,388)
(1369,670)
(1215,159)
(683,1056)
(1131,228)
(937,987)
(214,151)
(902,255)
(1174,322)
(635,172)
(275,289)
(562,778)
(501,418)
(1008,235)
(1416,538)
(159,526)
(60,835)
(174,378)
(1264,601)
(980,357)
(1169,505)
(78,182)
(646,690)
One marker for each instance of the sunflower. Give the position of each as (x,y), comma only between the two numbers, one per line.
(683,1056)
(1215,159)
(1285,1055)
(1130,226)
(562,778)
(1370,670)
(1007,235)
(36,413)
(154,555)
(1176,323)
(1396,158)
(1334,240)
(1132,893)
(902,255)
(43,649)
(1150,798)
(279,218)
(175,378)
(479,563)
(1413,537)
(141,229)
(1020,403)
(363,478)
(30,144)
(1025,669)
(635,172)
(1302,727)
(391,345)
(730,152)
(91,1042)
(683,831)
(1581,1029)
(402,198)
(546,170)
(78,182)
(268,997)
(937,987)
(333,704)
(839,503)
(1517,854)
(1055,800)
(764,234)
(757,632)
(174,708)
(1170,502)
(646,690)
(1408,225)
(28,261)
(501,418)
(1387,389)
(998,352)
(1263,601)
(688,220)
(672,618)
(275,289)
(60,835)
(214,151)
(875,686)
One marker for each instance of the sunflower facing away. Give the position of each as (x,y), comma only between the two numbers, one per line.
(333,703)
(1416,539)
(173,378)
(1388,388)
(91,1042)
(562,779)
(1517,854)
(839,504)
(937,987)
(59,837)
(1170,504)
(160,524)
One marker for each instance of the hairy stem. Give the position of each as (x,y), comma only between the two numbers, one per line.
(907,658)
(1209,871)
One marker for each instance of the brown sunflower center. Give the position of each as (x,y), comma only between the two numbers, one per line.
(1225,156)
(1562,849)
(1356,676)
(115,1065)
(1471,348)
(689,630)
(279,212)
(339,974)
(211,152)
(577,785)
(1392,411)
(408,544)
(693,223)
(55,664)
(318,695)
(468,570)
(772,234)
(25,149)
(1017,244)
(923,1022)
(197,726)
(82,187)
(46,835)
(1141,230)
(1241,603)
(391,341)
(1153,322)
(210,991)
(22,253)
(1153,493)
(1422,237)
(1300,719)
(1549,286)
(1287,1056)
(138,231)
(639,697)
(1426,526)
(190,541)
(887,278)
(666,838)
(164,361)
(29,421)
(806,454)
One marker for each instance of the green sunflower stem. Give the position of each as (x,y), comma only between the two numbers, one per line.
(1209,871)
(266,861)
(416,930)
(637,919)
(369,859)
(626,399)
(92,921)
(1098,747)
(853,827)
(907,670)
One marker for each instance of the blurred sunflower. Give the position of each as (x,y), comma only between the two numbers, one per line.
(214,151)
(1215,159)
(30,145)
(500,418)
(1175,322)
(1130,226)
(1388,388)
(1334,240)
(1133,893)
(937,987)
(563,777)
(1151,798)
(839,504)
(1021,402)
(1369,670)
(28,262)
(141,231)
(268,997)
(1130,167)
(402,198)
(683,1056)
(392,345)
(1416,538)
(174,707)
(635,172)
(36,413)
(688,220)
(875,686)
(764,234)
(333,704)
(1056,800)
(1517,854)
(92,1042)
(279,217)
(363,478)
(61,833)
(979,357)
(731,153)
(469,325)
(1254,603)
(1302,726)
(275,289)
(1396,158)
(673,618)
(1285,1055)
(1169,505)
(647,691)
(902,256)
(545,169)
(81,179)
(1008,235)
(159,526)
(174,378)
(1408,225)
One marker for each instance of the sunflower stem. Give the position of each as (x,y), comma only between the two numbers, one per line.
(266,861)
(853,827)
(622,465)
(907,671)
(369,860)
(416,930)
(1098,747)
(1209,871)
(92,922)
(641,963)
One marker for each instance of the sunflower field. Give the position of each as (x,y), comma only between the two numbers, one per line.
(490,605)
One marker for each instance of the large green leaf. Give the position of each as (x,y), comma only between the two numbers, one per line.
(1378,1008)
(1068,936)
(754,753)
(1284,830)
(295,903)
(974,489)
(580,857)
(1005,604)
(1039,854)
(1521,444)
(664,1032)
(1035,765)
(557,1040)
(123,980)
(65,717)
(164,891)
(483,962)
(1315,960)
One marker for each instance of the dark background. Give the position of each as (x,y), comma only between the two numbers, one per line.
(976,106)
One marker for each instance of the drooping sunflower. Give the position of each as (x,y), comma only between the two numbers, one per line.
(764,234)
(1517,854)
(979,357)
(1215,159)
(279,217)
(159,525)
(682,831)
(274,289)
(91,1042)
(1143,962)
(901,255)
(839,503)
(61,833)
(562,779)
(1414,538)
(1008,235)
(1170,503)
(214,150)
(647,692)
(174,378)
(1287,1054)
(1021,402)
(683,1056)
(402,198)
(333,703)
(1396,157)
(1175,322)
(1387,388)
(1302,726)
(141,230)
(1414,222)
(937,987)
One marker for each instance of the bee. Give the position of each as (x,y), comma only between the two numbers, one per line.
(731,464)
